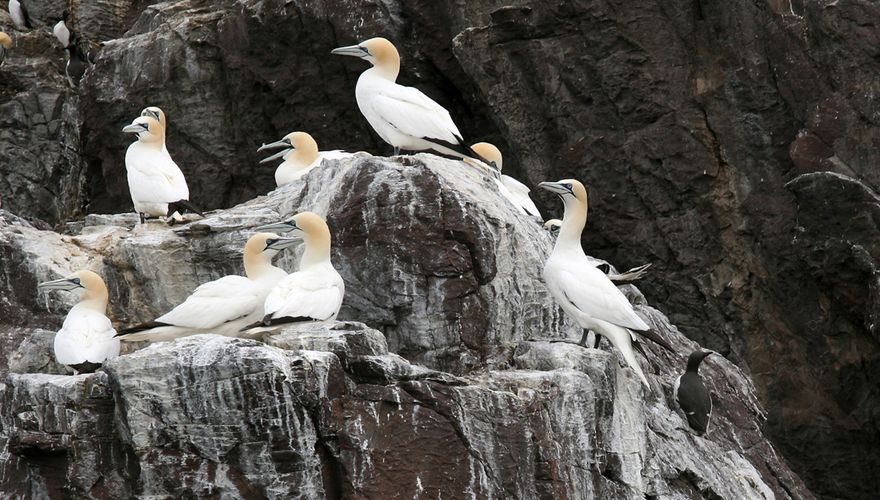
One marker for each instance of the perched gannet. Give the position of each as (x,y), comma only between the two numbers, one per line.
(5,45)
(64,33)
(300,155)
(584,292)
(515,191)
(692,396)
(402,116)
(225,305)
(19,14)
(86,339)
(315,291)
(158,114)
(156,183)
(76,65)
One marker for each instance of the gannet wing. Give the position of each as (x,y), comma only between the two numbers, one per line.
(156,181)
(413,113)
(305,295)
(214,303)
(590,290)
(520,195)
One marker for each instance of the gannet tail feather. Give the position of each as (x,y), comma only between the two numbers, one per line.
(657,339)
(182,206)
(141,327)
(85,367)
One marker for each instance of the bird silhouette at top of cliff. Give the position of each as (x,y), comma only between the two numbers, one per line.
(19,15)
(300,153)
(584,292)
(515,191)
(157,185)
(225,305)
(315,291)
(86,338)
(691,394)
(402,116)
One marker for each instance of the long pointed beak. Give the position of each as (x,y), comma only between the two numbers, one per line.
(62,284)
(553,187)
(351,50)
(277,227)
(281,243)
(276,155)
(135,128)
(283,143)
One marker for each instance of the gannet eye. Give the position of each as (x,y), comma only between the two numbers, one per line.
(269,243)
(76,281)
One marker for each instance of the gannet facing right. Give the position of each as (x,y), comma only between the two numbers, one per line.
(584,292)
(86,339)
(19,14)
(5,45)
(316,290)
(301,155)
(692,396)
(225,305)
(402,116)
(157,186)
(515,191)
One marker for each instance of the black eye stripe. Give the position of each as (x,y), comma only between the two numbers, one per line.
(76,281)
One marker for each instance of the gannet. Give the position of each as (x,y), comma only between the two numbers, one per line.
(315,291)
(300,155)
(515,191)
(76,65)
(692,396)
(19,14)
(5,45)
(402,116)
(225,305)
(156,183)
(158,114)
(584,292)
(86,339)
(64,33)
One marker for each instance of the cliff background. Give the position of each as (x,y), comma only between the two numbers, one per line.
(733,144)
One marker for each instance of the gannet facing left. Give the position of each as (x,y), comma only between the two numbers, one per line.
(86,339)
(225,305)
(5,45)
(300,153)
(316,290)
(584,292)
(515,191)
(157,186)
(402,116)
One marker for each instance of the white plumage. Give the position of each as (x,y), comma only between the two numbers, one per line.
(62,33)
(19,15)
(300,153)
(513,190)
(154,180)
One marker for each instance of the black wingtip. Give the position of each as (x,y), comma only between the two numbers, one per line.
(657,339)
(139,328)
(268,320)
(183,206)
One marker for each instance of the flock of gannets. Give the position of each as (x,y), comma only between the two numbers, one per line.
(268,296)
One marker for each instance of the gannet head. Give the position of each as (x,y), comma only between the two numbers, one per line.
(489,153)
(295,141)
(553,225)
(147,128)
(261,248)
(378,51)
(302,225)
(88,281)
(569,190)
(5,40)
(156,113)
(696,358)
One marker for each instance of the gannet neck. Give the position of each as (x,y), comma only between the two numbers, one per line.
(381,73)
(384,57)
(257,257)
(573,222)
(316,235)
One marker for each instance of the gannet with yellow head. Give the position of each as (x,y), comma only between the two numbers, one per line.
(159,115)
(225,305)
(86,338)
(300,154)
(402,116)
(5,45)
(584,292)
(515,191)
(316,290)
(157,185)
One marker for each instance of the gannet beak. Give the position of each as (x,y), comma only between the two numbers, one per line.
(283,143)
(352,50)
(62,284)
(555,187)
(281,243)
(276,155)
(136,128)
(278,227)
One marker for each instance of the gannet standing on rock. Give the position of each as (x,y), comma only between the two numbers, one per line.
(584,292)
(86,339)
(315,291)
(301,155)
(225,305)
(5,45)
(515,191)
(156,184)
(692,396)
(19,14)
(402,116)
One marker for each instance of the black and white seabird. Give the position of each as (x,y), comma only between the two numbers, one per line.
(692,396)
(19,14)
(76,65)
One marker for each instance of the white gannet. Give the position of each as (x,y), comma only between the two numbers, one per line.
(156,184)
(225,305)
(76,65)
(19,14)
(86,339)
(315,291)
(634,274)
(300,154)
(158,114)
(584,292)
(515,191)
(692,396)
(5,45)
(402,116)
(62,32)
